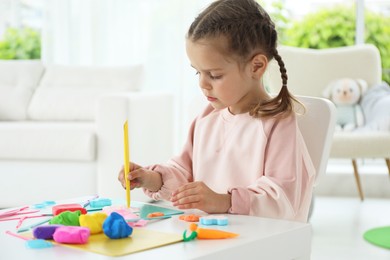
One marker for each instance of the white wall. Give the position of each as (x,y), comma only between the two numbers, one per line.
(122,32)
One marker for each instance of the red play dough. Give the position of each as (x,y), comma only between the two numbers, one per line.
(68,207)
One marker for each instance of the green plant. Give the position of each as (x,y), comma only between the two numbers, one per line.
(20,44)
(279,15)
(335,27)
(378,33)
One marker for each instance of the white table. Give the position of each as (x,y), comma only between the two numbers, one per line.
(259,238)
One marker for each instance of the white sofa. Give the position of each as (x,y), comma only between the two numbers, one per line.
(61,130)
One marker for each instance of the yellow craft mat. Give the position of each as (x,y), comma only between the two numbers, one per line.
(140,240)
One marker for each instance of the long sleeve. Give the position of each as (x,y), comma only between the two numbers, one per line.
(284,189)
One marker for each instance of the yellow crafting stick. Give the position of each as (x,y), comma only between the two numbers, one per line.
(127,162)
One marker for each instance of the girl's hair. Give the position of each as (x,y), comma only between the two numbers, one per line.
(249,30)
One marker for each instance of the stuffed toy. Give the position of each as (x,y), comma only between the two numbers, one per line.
(346,94)
(376,108)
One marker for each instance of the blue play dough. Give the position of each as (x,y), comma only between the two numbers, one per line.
(43,204)
(100,203)
(221,221)
(115,227)
(39,206)
(38,244)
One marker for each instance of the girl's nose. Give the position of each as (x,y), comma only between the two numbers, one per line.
(203,83)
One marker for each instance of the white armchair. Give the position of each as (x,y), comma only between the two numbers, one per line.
(310,71)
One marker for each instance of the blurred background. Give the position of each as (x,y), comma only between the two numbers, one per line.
(152,33)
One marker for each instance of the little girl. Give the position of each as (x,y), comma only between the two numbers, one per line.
(244,154)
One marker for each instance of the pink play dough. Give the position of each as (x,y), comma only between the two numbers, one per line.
(71,235)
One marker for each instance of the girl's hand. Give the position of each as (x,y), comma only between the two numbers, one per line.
(197,195)
(121,175)
(141,178)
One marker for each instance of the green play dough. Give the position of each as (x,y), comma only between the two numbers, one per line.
(67,218)
(378,236)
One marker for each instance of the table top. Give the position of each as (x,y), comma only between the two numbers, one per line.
(259,238)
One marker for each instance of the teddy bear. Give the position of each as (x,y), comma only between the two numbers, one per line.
(346,94)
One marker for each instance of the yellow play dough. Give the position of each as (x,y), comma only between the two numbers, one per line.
(93,221)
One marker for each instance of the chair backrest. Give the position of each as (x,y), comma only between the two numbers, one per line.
(317,127)
(310,70)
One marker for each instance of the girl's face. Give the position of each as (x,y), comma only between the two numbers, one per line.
(221,79)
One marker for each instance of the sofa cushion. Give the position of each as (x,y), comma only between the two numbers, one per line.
(47,141)
(361,145)
(18,79)
(71,92)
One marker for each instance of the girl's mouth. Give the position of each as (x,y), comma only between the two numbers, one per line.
(211,99)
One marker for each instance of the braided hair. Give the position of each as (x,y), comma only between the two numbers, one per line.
(249,30)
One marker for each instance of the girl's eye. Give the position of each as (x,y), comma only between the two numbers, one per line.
(214,77)
(210,75)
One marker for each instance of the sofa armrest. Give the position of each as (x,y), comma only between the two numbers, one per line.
(150,121)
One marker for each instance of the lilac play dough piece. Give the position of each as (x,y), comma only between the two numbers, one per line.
(45,232)
(71,235)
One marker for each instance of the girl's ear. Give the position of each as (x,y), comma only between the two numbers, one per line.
(258,66)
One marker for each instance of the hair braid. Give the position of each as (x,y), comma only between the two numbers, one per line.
(282,67)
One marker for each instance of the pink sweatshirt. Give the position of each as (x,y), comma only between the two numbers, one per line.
(262,163)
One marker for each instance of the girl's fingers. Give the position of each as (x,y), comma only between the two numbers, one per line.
(134,184)
(187,192)
(187,201)
(185,187)
(188,206)
(135,174)
(121,178)
(134,166)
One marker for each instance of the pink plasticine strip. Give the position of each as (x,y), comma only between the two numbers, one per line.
(12,212)
(18,218)
(139,223)
(20,222)
(32,243)
(16,235)
(26,217)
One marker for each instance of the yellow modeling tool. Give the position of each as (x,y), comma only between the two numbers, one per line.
(127,162)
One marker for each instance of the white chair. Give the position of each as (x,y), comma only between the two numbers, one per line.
(318,134)
(310,71)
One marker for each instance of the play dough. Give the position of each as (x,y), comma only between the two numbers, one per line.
(125,212)
(67,218)
(93,221)
(45,232)
(71,235)
(115,227)
(214,220)
(100,203)
(56,210)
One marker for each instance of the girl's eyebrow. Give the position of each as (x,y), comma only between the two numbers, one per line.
(207,70)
